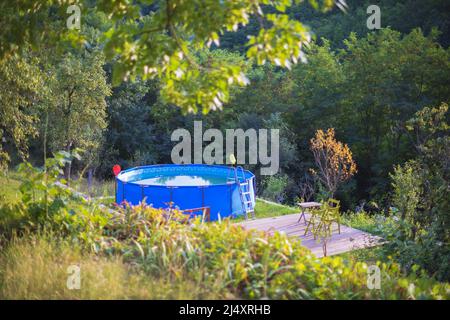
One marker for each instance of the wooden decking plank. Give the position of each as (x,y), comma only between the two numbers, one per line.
(349,238)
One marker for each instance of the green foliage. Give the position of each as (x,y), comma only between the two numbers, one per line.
(274,187)
(428,128)
(19,97)
(77,111)
(407,189)
(25,265)
(422,234)
(366,222)
(165,43)
(401,15)
(47,203)
(222,257)
(367,91)
(389,77)
(129,138)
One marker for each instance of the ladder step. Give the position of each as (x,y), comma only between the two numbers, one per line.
(247,192)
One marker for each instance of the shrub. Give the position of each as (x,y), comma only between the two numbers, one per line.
(26,263)
(333,159)
(218,258)
(274,188)
(407,189)
(251,264)
(422,232)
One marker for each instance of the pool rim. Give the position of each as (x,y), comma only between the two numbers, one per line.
(250,175)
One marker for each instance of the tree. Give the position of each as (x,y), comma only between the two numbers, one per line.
(20,96)
(130,138)
(426,126)
(333,159)
(420,193)
(164,42)
(77,112)
(388,77)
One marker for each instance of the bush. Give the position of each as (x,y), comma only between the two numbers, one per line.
(26,263)
(225,259)
(421,234)
(407,188)
(274,188)
(218,258)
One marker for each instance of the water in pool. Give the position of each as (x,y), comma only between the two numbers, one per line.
(183,180)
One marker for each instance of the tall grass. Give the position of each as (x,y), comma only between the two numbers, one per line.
(36,267)
(9,187)
(97,188)
(142,252)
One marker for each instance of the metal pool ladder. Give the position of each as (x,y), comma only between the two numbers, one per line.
(245,194)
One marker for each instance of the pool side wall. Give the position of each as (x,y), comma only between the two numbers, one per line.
(222,199)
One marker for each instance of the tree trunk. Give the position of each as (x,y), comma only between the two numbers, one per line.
(90,174)
(68,167)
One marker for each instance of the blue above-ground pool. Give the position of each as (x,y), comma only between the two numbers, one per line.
(226,191)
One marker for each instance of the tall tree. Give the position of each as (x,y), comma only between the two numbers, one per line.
(78,109)
(22,89)
(388,78)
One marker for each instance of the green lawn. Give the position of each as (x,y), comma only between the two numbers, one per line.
(265,209)
(9,187)
(10,183)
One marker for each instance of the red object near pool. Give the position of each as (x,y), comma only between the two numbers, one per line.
(116,169)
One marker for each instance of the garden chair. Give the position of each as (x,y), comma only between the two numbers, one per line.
(322,218)
(333,214)
(322,222)
(316,219)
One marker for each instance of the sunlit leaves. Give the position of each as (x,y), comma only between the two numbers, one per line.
(333,159)
(31,23)
(280,44)
(165,41)
(18,96)
(77,111)
(166,44)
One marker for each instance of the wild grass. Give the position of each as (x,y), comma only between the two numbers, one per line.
(36,267)
(97,188)
(9,187)
(138,252)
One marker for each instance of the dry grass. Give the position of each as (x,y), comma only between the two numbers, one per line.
(37,268)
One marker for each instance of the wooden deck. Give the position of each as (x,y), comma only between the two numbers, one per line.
(349,239)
